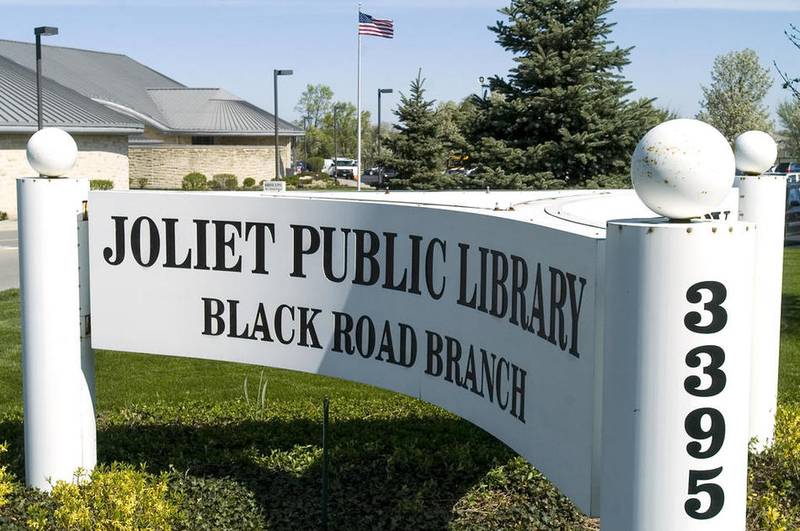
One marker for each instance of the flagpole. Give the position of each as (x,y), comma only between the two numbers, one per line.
(358,112)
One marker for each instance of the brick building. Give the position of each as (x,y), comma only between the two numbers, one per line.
(133,125)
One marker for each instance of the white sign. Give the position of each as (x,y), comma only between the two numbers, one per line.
(274,186)
(491,318)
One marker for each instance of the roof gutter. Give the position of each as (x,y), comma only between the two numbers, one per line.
(201,132)
(130,112)
(10,129)
(166,129)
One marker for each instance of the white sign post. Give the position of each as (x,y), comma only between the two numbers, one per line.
(677,374)
(57,360)
(761,201)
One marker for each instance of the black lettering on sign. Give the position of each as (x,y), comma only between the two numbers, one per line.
(136,242)
(170,243)
(342,329)
(705,423)
(715,432)
(718,378)
(221,243)
(299,250)
(714,491)
(719,317)
(119,242)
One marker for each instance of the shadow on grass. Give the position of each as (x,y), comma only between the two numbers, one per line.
(790,315)
(384,474)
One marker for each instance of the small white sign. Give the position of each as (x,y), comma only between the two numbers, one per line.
(274,186)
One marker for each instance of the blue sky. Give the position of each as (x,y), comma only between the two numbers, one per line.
(236,44)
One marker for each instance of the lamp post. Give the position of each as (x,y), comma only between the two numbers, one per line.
(381,91)
(335,143)
(275,74)
(484,85)
(47,31)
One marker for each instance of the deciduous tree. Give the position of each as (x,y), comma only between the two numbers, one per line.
(789,116)
(315,102)
(734,101)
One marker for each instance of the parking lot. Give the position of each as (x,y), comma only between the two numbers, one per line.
(9,261)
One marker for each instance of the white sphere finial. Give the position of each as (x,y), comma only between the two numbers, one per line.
(683,168)
(756,152)
(52,152)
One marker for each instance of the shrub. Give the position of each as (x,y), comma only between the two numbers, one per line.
(315,163)
(143,182)
(3,216)
(213,503)
(773,499)
(116,497)
(101,184)
(194,181)
(5,478)
(249,182)
(227,181)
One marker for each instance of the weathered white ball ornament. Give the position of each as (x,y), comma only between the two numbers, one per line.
(52,152)
(683,169)
(756,152)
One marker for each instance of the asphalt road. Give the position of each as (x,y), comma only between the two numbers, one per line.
(9,260)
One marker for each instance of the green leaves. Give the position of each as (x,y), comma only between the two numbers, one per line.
(563,105)
(734,102)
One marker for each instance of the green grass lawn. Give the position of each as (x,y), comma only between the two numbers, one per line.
(789,379)
(397,463)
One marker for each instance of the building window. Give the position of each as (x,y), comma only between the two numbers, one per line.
(202,140)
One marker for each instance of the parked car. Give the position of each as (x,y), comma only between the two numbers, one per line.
(378,177)
(342,168)
(372,177)
(792,210)
(786,167)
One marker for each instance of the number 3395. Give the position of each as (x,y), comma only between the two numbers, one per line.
(705,423)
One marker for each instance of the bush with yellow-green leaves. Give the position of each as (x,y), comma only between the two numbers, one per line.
(6,486)
(118,497)
(773,501)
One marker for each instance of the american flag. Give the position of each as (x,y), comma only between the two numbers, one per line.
(376,27)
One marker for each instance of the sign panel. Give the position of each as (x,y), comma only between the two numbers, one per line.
(491,318)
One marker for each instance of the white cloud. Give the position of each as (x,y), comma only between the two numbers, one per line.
(732,5)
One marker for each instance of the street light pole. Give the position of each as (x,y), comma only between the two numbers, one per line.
(381,91)
(38,32)
(275,74)
(335,144)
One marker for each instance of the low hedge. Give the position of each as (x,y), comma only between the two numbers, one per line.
(101,184)
(194,181)
(396,463)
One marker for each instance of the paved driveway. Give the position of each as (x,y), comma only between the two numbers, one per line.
(9,261)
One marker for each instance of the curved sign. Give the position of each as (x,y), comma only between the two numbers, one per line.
(480,311)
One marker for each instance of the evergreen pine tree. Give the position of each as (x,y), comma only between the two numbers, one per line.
(418,152)
(562,117)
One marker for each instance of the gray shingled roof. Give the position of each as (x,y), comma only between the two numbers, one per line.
(132,88)
(213,110)
(61,106)
(98,75)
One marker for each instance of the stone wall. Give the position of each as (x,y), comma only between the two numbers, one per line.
(164,165)
(99,157)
